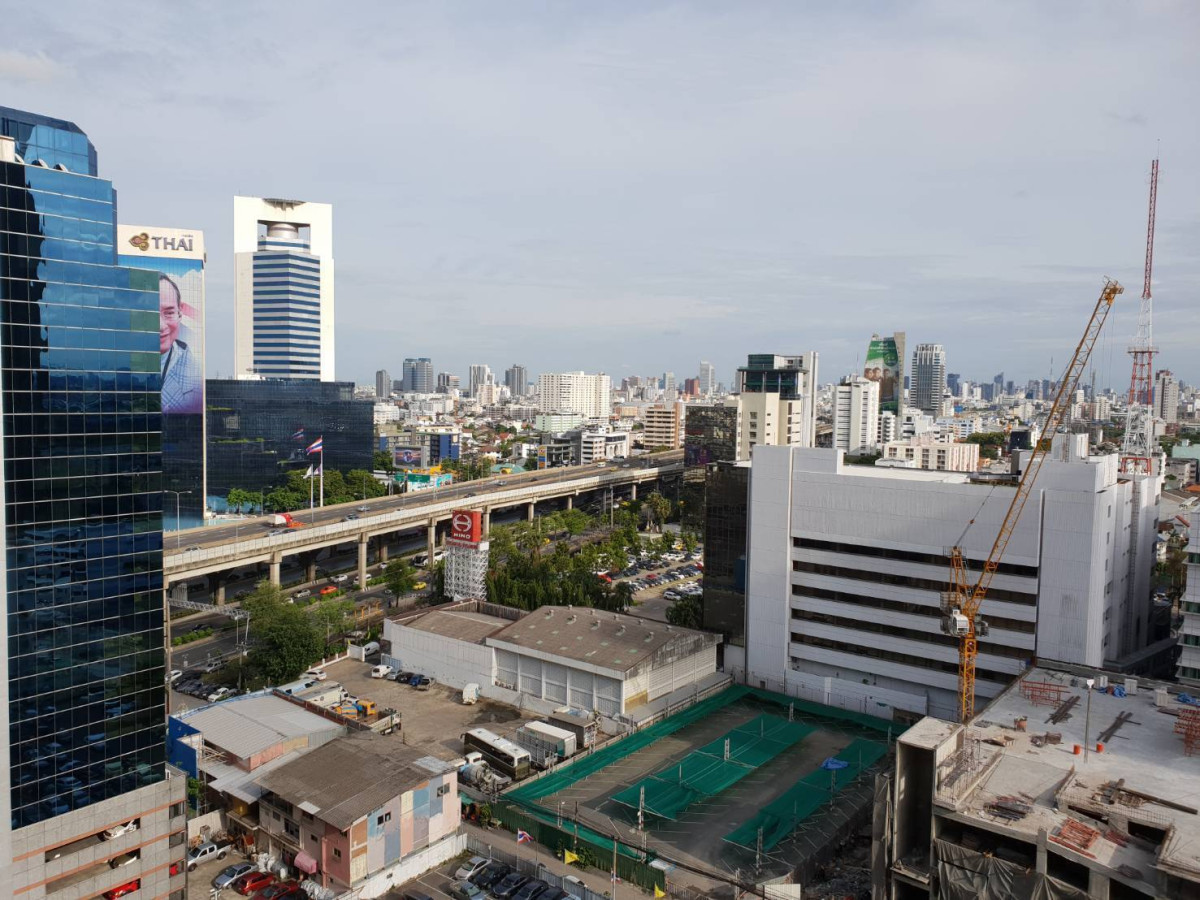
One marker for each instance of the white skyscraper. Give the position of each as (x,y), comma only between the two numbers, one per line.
(477,376)
(564,392)
(1166,397)
(708,378)
(928,378)
(283,289)
(856,415)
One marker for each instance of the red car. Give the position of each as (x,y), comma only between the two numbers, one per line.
(274,891)
(121,890)
(253,881)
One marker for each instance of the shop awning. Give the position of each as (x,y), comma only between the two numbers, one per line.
(305,863)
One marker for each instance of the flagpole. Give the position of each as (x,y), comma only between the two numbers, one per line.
(322,471)
(310,495)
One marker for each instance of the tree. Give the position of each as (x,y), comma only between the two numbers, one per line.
(383,461)
(285,639)
(685,612)
(690,541)
(655,509)
(362,483)
(989,442)
(666,543)
(238,498)
(531,464)
(331,616)
(399,576)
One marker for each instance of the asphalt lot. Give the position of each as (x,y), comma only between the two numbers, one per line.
(433,720)
(199,882)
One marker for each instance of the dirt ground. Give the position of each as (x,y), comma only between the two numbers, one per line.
(433,720)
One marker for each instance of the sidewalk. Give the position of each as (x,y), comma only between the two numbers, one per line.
(506,842)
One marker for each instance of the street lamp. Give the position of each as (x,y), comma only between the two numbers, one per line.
(177,494)
(1087,718)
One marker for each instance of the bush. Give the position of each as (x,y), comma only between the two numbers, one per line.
(182,639)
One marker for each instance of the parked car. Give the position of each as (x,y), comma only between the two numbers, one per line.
(464,890)
(121,890)
(471,867)
(416,679)
(117,830)
(123,860)
(491,874)
(403,677)
(423,684)
(315,675)
(253,881)
(381,671)
(230,874)
(554,894)
(509,885)
(415,895)
(531,890)
(671,595)
(219,694)
(275,891)
(206,851)
(174,675)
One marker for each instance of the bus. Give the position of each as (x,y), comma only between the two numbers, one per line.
(502,755)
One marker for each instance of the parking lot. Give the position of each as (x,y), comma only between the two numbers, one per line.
(653,585)
(199,881)
(433,719)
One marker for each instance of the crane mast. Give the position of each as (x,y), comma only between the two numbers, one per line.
(962,601)
(1138,445)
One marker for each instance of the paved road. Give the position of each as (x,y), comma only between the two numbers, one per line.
(214,535)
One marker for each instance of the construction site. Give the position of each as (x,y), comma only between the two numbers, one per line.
(744,786)
(1071,784)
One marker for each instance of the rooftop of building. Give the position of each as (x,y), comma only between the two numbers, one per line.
(346,779)
(605,639)
(1019,771)
(248,725)
(463,624)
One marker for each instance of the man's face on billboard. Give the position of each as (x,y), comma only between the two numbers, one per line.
(168,314)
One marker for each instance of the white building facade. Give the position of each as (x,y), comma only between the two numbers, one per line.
(856,415)
(847,565)
(283,289)
(575,392)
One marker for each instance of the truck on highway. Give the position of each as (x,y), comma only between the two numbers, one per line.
(283,520)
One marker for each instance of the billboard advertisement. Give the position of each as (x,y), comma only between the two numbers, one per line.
(407,457)
(466,526)
(885,364)
(177,255)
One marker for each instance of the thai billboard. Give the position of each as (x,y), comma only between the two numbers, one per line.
(407,457)
(466,526)
(177,255)
(885,364)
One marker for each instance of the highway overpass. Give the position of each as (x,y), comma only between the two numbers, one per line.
(214,551)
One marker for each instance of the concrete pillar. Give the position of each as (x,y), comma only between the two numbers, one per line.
(1042,854)
(216,587)
(633,491)
(431,540)
(570,501)
(276,564)
(1097,885)
(363,543)
(531,511)
(383,549)
(309,560)
(487,522)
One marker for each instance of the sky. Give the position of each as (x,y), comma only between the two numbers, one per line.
(634,187)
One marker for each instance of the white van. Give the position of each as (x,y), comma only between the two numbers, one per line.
(370,648)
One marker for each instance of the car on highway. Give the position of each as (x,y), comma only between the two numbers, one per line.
(419,585)
(302,594)
(364,509)
(191,549)
(350,518)
(340,579)
(327,590)
(213,666)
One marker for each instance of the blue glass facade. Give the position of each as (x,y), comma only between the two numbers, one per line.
(287,309)
(80,398)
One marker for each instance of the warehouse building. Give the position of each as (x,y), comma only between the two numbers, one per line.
(582,658)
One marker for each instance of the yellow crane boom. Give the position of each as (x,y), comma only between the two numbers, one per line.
(962,601)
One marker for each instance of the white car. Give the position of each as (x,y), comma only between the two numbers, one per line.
(117,830)
(219,694)
(175,675)
(381,671)
(340,579)
(315,674)
(468,869)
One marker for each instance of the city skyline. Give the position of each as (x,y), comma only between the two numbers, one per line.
(590,245)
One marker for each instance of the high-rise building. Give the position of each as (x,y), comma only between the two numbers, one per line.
(1166,397)
(856,415)
(885,364)
(667,382)
(849,566)
(418,375)
(447,382)
(588,395)
(84,717)
(516,379)
(178,257)
(710,435)
(383,384)
(928,378)
(662,427)
(954,384)
(283,289)
(477,376)
(708,378)
(777,401)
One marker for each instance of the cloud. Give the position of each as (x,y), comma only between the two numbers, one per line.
(25,67)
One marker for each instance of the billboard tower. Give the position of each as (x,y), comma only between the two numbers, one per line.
(177,256)
(466,556)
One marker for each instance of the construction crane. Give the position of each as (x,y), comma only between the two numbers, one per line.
(1137,448)
(962,601)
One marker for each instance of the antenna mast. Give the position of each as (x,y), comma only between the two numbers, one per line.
(1137,450)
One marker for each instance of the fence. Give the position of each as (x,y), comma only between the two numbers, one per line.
(574,887)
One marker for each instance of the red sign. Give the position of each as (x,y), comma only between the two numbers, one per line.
(466,526)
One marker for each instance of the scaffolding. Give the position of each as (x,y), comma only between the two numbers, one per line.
(466,570)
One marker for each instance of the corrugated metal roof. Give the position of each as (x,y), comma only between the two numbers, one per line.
(244,726)
(465,626)
(348,778)
(240,783)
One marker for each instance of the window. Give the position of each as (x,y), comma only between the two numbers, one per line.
(291,829)
(177,838)
(177,809)
(386,817)
(443,790)
(337,854)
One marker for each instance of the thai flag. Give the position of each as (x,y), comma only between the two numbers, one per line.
(523,837)
(315,446)
(299,435)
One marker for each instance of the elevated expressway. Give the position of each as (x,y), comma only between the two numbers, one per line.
(215,551)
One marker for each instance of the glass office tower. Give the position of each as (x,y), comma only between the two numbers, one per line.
(82,501)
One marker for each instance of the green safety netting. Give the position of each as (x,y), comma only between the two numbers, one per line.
(781,816)
(713,768)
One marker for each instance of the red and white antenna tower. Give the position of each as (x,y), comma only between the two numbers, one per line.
(1137,449)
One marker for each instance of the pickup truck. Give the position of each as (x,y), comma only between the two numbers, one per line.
(204,852)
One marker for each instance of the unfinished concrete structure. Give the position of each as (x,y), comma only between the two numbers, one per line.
(1058,789)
